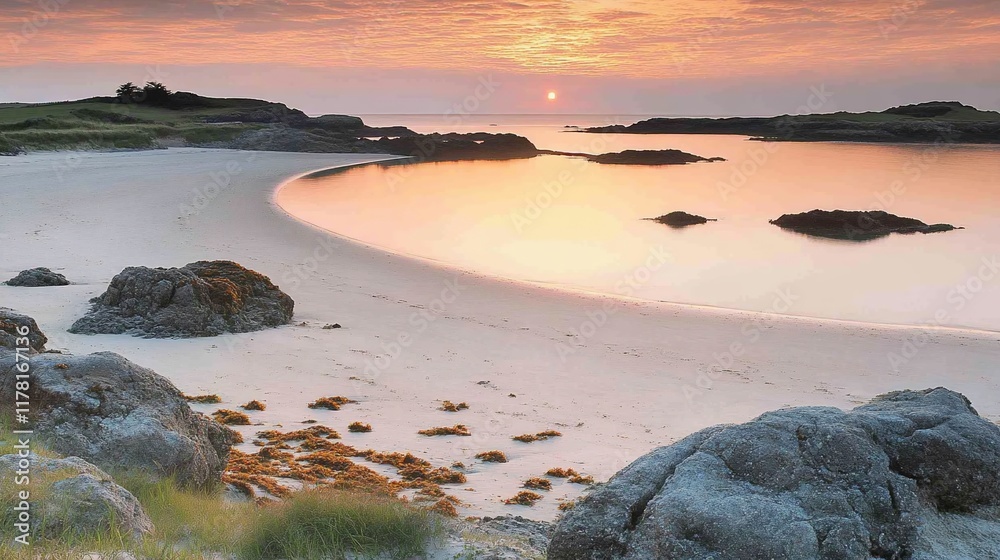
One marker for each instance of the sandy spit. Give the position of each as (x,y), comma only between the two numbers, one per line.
(616,377)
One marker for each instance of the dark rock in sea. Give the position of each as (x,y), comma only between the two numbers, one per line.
(650,157)
(79,499)
(913,474)
(934,122)
(120,416)
(206,298)
(460,147)
(12,326)
(38,277)
(681,219)
(855,225)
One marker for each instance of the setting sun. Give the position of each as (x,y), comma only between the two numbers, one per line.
(552,96)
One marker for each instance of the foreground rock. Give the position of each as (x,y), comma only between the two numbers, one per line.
(651,157)
(38,277)
(206,298)
(681,219)
(120,416)
(855,225)
(12,327)
(77,498)
(806,483)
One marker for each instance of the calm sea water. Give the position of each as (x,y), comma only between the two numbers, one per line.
(572,223)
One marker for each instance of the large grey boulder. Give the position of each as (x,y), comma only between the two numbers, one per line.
(75,497)
(206,298)
(120,416)
(37,278)
(913,474)
(13,325)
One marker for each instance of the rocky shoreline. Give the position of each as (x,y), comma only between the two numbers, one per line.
(933,122)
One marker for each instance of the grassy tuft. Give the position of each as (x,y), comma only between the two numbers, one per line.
(324,523)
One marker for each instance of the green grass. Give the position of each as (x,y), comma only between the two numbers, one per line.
(65,110)
(190,524)
(73,132)
(320,523)
(7,145)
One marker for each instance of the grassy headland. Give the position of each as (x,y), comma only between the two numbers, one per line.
(936,121)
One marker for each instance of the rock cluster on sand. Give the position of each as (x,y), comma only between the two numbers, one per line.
(913,474)
(11,324)
(681,219)
(120,416)
(78,498)
(205,298)
(854,225)
(38,277)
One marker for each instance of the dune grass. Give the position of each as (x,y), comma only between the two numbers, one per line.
(320,523)
(324,523)
(195,524)
(101,129)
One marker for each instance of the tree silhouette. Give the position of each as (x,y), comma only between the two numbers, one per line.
(156,93)
(127,92)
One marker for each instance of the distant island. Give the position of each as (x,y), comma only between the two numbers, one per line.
(851,225)
(681,219)
(639,157)
(935,121)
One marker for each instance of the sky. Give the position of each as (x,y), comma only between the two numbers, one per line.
(677,57)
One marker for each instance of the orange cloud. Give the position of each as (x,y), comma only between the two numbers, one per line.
(624,38)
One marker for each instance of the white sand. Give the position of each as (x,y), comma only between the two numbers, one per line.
(626,386)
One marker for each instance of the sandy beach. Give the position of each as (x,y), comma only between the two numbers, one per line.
(616,377)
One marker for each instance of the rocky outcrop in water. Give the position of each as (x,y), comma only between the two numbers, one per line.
(681,219)
(38,277)
(651,157)
(933,122)
(460,147)
(78,498)
(12,325)
(912,474)
(855,225)
(205,298)
(120,416)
